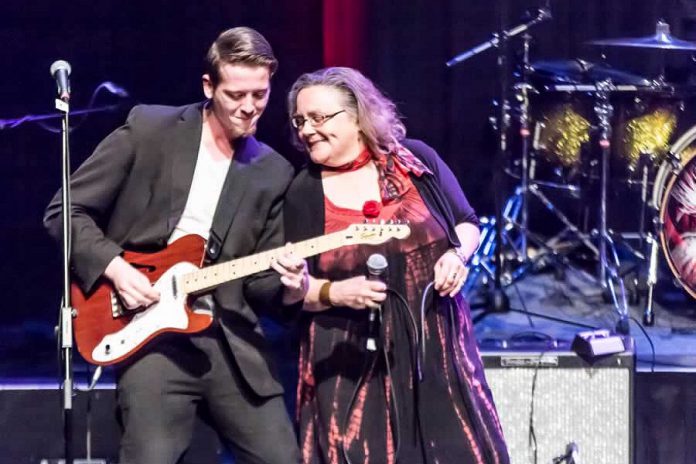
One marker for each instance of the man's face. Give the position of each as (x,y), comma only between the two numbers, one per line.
(239,98)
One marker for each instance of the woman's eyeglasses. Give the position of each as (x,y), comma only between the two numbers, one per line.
(315,120)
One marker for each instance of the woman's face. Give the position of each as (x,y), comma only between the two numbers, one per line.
(335,137)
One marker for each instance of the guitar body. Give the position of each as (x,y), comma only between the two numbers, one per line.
(107,333)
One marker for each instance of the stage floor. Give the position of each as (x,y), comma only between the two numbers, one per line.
(664,392)
(669,345)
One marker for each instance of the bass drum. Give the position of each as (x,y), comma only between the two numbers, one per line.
(674,193)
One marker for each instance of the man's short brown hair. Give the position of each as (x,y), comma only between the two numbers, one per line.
(239,45)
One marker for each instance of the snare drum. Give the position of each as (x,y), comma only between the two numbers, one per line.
(674,194)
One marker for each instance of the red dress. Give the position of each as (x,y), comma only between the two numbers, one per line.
(353,403)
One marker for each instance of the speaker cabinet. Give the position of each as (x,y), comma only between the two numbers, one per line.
(551,402)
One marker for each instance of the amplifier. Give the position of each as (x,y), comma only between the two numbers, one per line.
(32,427)
(554,403)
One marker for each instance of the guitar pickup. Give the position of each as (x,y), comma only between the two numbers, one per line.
(117,309)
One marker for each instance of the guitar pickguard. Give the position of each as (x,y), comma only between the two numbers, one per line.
(169,313)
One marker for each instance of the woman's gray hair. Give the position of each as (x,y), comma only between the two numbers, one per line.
(376,115)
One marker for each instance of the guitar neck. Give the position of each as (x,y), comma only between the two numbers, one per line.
(217,274)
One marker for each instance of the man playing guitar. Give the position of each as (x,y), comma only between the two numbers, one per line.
(169,173)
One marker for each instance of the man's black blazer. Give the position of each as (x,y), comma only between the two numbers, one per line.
(132,191)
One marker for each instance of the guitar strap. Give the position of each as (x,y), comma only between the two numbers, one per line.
(246,151)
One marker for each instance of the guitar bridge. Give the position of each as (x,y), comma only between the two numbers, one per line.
(117,309)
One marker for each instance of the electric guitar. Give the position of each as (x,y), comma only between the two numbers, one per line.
(107,333)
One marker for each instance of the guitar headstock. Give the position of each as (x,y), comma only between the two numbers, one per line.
(374,233)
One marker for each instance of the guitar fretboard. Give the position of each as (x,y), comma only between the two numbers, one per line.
(217,274)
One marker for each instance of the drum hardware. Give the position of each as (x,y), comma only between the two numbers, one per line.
(479,269)
(497,298)
(629,125)
(523,97)
(660,129)
(591,88)
(651,281)
(608,271)
(570,227)
(579,71)
(515,213)
(496,231)
(644,138)
(662,40)
(552,251)
(601,242)
(529,188)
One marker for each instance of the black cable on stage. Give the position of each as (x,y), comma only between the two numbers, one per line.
(652,346)
(532,442)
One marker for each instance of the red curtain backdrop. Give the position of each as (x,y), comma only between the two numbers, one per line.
(344,33)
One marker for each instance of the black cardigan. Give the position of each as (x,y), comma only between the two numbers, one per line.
(304,201)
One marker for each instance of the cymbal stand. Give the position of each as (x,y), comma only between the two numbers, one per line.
(608,271)
(523,97)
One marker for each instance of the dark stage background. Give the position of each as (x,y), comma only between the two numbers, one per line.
(154,49)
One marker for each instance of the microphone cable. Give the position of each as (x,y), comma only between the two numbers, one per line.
(109,86)
(369,367)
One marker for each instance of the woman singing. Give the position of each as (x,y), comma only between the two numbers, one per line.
(421,396)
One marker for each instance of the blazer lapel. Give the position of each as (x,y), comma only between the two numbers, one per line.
(183,145)
(246,151)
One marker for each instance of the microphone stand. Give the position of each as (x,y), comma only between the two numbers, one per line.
(65,329)
(498,300)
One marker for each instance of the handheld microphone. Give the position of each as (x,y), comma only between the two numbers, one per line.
(60,70)
(376,267)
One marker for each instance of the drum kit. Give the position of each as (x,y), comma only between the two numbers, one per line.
(584,131)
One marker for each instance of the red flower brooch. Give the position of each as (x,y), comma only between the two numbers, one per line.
(371,209)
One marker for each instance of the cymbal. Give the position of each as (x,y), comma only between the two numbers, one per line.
(579,71)
(662,40)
